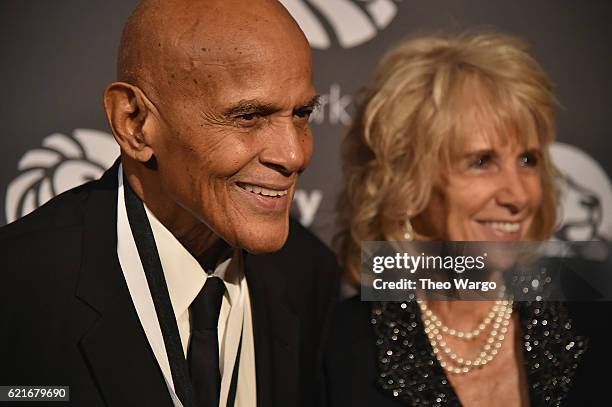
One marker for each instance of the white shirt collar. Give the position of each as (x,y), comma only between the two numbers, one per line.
(184,275)
(184,278)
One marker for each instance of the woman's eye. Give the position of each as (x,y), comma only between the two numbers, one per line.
(481,162)
(529,159)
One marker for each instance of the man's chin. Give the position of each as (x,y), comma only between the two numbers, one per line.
(264,243)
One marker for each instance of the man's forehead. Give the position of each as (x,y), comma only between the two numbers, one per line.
(251,63)
(270,84)
(234,45)
(222,24)
(191,36)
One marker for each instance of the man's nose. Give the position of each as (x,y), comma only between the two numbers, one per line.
(513,192)
(288,149)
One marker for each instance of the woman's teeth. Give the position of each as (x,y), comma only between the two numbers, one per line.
(264,191)
(507,227)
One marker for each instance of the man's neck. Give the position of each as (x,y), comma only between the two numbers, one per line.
(215,255)
(194,235)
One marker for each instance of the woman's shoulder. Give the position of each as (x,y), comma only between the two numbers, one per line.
(567,352)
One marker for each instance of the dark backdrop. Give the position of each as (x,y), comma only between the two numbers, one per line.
(59,55)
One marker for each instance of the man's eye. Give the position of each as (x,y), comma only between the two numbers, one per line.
(529,159)
(303,113)
(248,118)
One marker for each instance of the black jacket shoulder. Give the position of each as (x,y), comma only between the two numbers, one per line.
(64,211)
(304,265)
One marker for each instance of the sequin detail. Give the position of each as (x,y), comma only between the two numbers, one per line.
(409,371)
(551,351)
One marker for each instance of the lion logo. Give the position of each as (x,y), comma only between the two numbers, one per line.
(586,196)
(63,162)
(349,22)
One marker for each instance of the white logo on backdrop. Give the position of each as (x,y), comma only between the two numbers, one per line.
(353,22)
(63,162)
(333,107)
(586,195)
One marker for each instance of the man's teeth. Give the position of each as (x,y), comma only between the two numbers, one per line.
(507,227)
(264,191)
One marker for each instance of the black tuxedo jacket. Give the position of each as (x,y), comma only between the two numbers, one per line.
(67,318)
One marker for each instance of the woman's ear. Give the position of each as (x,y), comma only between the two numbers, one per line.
(127,113)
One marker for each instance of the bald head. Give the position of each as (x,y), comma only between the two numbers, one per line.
(165,40)
(212,107)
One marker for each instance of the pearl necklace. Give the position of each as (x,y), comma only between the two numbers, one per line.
(500,316)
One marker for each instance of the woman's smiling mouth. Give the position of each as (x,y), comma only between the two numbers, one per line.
(501,230)
(507,227)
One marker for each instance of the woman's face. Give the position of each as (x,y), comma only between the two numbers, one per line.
(491,192)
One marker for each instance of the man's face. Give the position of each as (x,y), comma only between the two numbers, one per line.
(231,136)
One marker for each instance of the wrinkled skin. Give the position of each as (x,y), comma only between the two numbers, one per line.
(212,105)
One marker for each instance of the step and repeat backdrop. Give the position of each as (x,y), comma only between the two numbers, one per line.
(58,56)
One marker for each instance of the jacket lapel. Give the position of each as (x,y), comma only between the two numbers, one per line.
(114,343)
(115,346)
(276,334)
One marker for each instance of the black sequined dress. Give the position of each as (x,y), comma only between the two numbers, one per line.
(409,370)
(379,355)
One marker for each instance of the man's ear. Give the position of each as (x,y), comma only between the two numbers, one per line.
(127,112)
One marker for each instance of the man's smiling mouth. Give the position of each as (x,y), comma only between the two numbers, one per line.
(263,191)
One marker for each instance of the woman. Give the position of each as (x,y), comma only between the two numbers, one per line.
(451,143)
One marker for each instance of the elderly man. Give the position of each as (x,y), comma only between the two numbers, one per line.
(149,286)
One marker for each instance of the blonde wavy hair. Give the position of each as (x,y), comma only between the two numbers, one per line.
(408,126)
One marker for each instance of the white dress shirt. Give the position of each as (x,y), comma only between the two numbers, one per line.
(185,278)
